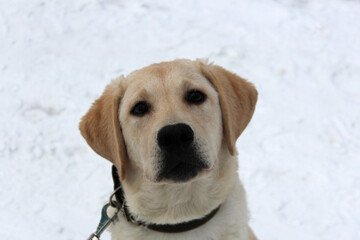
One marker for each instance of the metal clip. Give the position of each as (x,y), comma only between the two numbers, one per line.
(93,237)
(105,220)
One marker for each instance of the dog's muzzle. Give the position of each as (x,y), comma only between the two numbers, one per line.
(180,160)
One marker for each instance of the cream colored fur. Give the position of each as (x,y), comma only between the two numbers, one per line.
(130,143)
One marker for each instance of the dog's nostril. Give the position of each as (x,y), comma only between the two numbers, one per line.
(187,137)
(164,141)
(173,137)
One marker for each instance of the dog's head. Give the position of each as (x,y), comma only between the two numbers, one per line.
(169,121)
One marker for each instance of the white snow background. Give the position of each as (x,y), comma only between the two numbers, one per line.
(299,157)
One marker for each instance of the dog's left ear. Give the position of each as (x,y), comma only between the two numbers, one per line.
(237,100)
(101,127)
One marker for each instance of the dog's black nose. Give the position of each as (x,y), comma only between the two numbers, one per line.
(175,138)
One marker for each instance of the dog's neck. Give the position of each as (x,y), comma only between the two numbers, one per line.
(174,203)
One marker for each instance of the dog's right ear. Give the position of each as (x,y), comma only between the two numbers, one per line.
(101,126)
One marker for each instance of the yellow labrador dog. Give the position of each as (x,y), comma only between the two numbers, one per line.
(170,129)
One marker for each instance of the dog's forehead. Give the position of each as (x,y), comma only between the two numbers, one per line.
(166,75)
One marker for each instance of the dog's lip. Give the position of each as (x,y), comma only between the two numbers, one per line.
(182,166)
(177,166)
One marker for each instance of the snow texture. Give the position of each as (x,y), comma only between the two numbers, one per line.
(299,157)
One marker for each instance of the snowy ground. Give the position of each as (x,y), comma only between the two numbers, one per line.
(299,157)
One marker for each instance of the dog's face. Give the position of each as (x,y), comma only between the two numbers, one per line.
(169,121)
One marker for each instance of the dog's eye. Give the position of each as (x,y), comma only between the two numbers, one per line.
(140,109)
(195,97)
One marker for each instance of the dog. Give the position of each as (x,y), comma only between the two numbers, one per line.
(170,129)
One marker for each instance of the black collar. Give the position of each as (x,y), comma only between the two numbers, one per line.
(166,228)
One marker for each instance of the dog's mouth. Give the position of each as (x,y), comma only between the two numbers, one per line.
(181,171)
